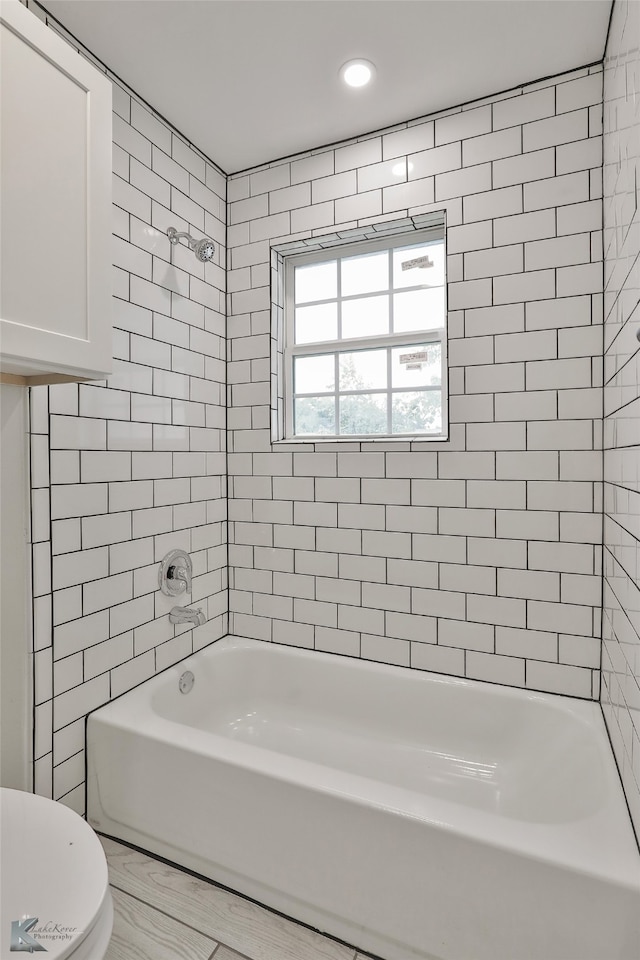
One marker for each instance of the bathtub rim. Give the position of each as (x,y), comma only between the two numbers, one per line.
(528,838)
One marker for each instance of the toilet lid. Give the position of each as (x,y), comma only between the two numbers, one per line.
(52,870)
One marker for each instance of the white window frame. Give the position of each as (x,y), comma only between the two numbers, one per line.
(389,241)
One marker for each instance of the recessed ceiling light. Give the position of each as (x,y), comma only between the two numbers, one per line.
(357,73)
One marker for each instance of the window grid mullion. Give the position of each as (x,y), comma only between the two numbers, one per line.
(368,390)
(391,299)
(366,296)
(289,338)
(388,390)
(366,343)
(339,296)
(336,385)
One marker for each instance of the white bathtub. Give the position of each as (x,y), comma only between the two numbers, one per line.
(410,814)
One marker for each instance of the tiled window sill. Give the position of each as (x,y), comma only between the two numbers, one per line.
(404,438)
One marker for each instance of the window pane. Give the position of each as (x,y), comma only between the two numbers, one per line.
(314,324)
(416,365)
(418,310)
(363,370)
(363,413)
(380,331)
(414,276)
(366,317)
(365,274)
(416,412)
(318,281)
(314,374)
(314,416)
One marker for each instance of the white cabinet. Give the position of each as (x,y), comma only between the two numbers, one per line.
(55,213)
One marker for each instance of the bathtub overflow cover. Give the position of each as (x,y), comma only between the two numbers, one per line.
(186,682)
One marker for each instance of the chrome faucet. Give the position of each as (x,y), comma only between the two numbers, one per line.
(187,615)
(174,578)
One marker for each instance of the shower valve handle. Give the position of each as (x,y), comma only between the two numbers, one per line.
(174,575)
(180,573)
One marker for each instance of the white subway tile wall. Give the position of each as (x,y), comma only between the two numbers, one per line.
(127,469)
(479,556)
(621,621)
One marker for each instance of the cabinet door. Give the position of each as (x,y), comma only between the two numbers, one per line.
(55,217)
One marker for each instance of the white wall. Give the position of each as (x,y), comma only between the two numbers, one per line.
(621,626)
(16,662)
(125,470)
(480,556)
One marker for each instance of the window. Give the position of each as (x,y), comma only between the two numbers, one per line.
(365,339)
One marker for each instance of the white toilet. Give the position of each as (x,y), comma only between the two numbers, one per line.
(52,870)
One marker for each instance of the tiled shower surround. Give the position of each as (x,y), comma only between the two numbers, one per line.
(479,556)
(621,623)
(125,470)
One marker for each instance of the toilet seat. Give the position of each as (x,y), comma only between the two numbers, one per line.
(53,868)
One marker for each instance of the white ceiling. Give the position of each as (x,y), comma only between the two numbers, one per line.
(250,81)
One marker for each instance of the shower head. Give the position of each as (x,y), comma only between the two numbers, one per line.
(204,249)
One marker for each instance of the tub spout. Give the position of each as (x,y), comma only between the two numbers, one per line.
(187,615)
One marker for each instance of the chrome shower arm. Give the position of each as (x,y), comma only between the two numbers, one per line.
(175,236)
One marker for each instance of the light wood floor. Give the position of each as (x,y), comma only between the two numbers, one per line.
(162,913)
